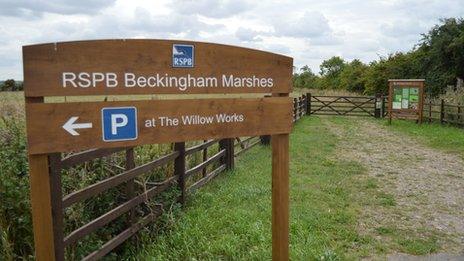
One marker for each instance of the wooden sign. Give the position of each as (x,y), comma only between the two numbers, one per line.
(78,126)
(406,98)
(129,67)
(112,67)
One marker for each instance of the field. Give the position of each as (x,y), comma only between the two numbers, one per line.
(360,188)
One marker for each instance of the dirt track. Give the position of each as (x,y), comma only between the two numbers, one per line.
(427,185)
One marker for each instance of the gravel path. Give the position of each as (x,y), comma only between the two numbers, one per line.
(426,184)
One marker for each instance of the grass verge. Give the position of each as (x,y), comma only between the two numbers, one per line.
(446,138)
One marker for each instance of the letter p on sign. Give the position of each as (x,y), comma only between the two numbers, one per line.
(119,123)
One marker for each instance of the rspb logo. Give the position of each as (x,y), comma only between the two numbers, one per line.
(183,55)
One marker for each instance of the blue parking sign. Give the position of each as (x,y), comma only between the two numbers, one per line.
(119,123)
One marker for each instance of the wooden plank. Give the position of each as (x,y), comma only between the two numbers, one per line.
(280,197)
(121,237)
(204,164)
(247,148)
(41,199)
(247,117)
(88,155)
(207,178)
(45,65)
(117,212)
(200,147)
(113,181)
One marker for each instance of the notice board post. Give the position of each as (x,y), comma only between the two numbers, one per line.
(405,99)
(131,67)
(280,195)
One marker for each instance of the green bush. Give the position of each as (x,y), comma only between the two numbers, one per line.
(15,217)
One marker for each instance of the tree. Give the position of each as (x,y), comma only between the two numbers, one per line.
(352,77)
(443,59)
(305,79)
(9,85)
(330,72)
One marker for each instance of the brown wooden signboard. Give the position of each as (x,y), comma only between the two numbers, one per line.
(129,67)
(78,126)
(112,67)
(406,99)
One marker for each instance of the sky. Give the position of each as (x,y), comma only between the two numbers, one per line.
(310,31)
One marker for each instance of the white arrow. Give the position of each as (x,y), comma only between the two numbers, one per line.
(70,126)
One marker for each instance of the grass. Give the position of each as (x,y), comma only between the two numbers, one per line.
(230,218)
(449,139)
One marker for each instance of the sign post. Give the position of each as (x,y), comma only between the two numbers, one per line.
(406,99)
(130,67)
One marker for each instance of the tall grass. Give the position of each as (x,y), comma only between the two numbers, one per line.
(16,237)
(15,218)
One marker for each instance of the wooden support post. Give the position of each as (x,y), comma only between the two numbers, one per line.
(179,169)
(442,111)
(383,106)
(54,161)
(295,109)
(308,103)
(377,105)
(265,140)
(302,105)
(41,202)
(421,103)
(390,102)
(280,197)
(205,158)
(459,113)
(231,153)
(228,145)
(430,112)
(130,185)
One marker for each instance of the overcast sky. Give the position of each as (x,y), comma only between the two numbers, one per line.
(308,30)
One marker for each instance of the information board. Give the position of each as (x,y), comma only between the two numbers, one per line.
(406,98)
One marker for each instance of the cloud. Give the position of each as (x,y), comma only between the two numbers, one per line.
(403,27)
(211,8)
(308,30)
(247,35)
(25,8)
(173,23)
(309,24)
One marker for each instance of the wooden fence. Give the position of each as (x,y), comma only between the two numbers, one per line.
(373,106)
(300,106)
(135,204)
(444,113)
